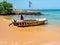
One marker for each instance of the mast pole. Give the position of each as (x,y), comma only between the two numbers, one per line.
(30,3)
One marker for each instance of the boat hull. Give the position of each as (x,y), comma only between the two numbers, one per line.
(29,23)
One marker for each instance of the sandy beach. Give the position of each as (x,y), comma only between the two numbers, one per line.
(33,35)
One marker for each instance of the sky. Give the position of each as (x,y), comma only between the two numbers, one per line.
(36,4)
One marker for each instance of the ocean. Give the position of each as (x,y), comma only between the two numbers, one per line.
(52,15)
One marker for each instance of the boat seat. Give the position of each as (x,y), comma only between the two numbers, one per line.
(42,19)
(19,21)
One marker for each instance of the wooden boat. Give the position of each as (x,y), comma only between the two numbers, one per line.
(23,23)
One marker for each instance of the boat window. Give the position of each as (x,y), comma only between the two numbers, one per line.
(23,23)
(27,23)
(17,24)
(20,23)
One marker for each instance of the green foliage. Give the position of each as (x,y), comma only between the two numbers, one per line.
(5,7)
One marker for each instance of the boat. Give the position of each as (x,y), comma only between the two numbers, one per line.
(25,23)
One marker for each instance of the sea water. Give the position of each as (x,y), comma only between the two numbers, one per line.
(52,15)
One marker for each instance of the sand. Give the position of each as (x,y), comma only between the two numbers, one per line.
(33,35)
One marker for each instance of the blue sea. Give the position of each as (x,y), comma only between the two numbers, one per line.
(52,15)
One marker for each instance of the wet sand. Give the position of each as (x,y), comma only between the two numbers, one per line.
(33,35)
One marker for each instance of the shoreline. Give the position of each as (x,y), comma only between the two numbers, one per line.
(33,35)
